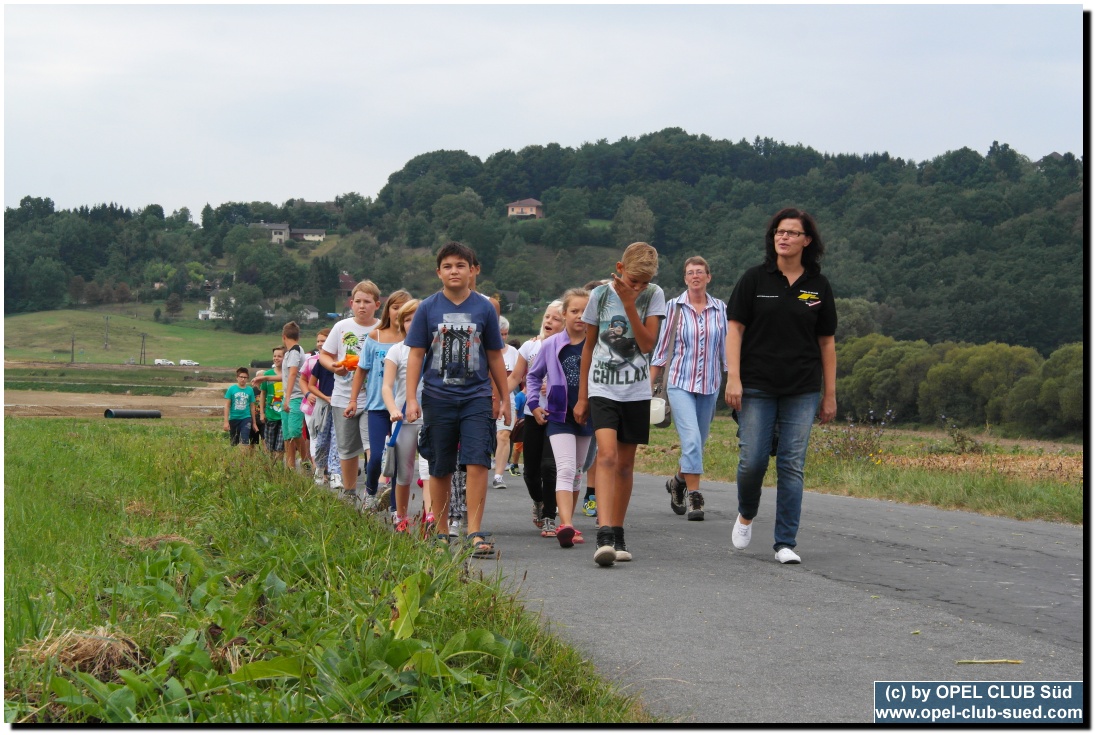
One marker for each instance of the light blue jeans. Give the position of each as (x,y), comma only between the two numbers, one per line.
(692,415)
(761,413)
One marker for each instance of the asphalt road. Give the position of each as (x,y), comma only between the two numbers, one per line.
(703,632)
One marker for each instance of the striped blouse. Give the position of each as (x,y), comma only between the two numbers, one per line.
(699,352)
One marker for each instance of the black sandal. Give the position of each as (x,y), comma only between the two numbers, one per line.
(481,549)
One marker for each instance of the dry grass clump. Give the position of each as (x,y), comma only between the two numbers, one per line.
(99,652)
(1060,468)
(151,542)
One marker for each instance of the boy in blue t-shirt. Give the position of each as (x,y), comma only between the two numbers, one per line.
(239,410)
(456,350)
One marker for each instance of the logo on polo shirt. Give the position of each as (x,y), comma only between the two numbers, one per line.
(810,299)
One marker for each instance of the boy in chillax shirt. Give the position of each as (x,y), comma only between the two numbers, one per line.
(456,350)
(614,386)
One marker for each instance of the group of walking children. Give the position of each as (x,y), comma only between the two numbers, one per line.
(436,376)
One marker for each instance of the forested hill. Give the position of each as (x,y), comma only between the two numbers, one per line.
(966,247)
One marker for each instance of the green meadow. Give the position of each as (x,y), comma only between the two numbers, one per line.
(155,575)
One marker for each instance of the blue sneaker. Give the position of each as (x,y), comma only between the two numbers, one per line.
(590,506)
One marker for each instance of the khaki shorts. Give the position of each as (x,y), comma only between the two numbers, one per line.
(352,435)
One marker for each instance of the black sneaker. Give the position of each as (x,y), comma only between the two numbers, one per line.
(622,554)
(605,555)
(695,506)
(675,487)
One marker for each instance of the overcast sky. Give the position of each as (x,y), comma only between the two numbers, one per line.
(184,105)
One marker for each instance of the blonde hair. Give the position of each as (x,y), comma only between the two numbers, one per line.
(406,310)
(640,259)
(368,287)
(400,296)
(558,306)
(571,294)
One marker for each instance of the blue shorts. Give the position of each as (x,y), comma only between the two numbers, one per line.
(447,425)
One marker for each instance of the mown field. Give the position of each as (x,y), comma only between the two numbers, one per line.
(46,336)
(154,575)
(956,470)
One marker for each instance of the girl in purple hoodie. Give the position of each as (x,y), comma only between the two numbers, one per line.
(560,360)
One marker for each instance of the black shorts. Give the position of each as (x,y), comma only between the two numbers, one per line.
(629,419)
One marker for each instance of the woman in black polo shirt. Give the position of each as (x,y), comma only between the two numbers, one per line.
(781,364)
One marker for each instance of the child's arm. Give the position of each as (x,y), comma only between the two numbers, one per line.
(497,365)
(581,408)
(518,374)
(645,332)
(355,388)
(414,375)
(253,406)
(387,391)
(227,403)
(287,391)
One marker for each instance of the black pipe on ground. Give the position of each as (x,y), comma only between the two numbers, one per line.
(130,413)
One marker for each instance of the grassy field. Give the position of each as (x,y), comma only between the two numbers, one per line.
(46,336)
(153,574)
(1005,479)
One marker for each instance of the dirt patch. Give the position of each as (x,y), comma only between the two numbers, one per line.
(200,402)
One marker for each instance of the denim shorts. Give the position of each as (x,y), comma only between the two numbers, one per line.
(449,425)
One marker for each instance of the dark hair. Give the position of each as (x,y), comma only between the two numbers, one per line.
(291,330)
(243,370)
(811,255)
(458,249)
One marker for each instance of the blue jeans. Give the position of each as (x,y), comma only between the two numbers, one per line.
(760,414)
(692,415)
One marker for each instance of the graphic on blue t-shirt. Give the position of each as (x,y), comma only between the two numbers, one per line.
(456,349)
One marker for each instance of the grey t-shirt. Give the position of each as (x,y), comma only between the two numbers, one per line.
(620,371)
(293,358)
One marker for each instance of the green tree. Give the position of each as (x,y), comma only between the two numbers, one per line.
(174,305)
(248,320)
(633,222)
(44,279)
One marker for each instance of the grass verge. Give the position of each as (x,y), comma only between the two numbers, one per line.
(907,467)
(153,574)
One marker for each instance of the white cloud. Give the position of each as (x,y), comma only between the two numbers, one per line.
(187,104)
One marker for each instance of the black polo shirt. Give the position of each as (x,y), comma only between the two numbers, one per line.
(779,350)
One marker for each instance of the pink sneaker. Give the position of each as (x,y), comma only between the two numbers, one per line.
(578,537)
(402,525)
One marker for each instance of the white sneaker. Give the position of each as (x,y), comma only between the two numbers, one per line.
(787,555)
(370,503)
(336,482)
(742,534)
(499,483)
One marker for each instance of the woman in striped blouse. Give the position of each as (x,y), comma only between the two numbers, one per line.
(696,327)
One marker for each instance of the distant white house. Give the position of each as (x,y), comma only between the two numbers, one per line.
(309,313)
(279,231)
(216,310)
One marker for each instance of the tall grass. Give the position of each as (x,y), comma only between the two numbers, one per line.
(866,461)
(249,595)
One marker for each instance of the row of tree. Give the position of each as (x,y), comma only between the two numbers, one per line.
(993,384)
(965,247)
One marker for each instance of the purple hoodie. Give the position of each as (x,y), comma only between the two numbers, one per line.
(557,383)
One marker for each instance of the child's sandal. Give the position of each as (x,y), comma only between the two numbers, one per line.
(481,548)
